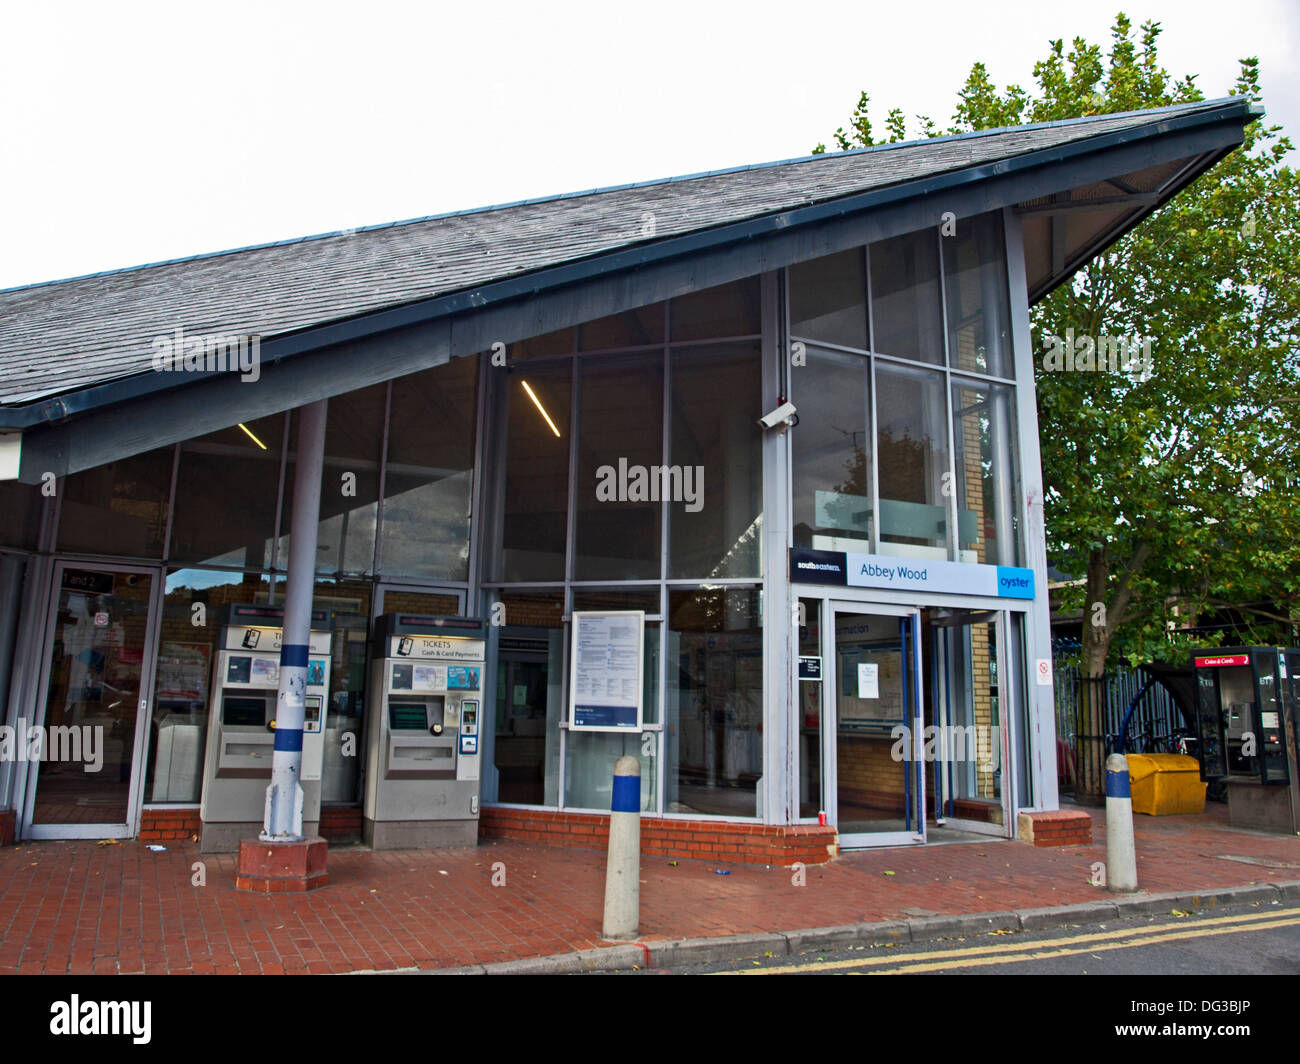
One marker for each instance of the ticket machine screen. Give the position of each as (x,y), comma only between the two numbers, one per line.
(243,712)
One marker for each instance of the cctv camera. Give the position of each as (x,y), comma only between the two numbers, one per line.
(784,415)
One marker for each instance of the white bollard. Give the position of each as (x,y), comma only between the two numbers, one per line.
(1121,857)
(623,868)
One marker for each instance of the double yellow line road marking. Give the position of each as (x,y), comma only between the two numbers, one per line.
(1011,952)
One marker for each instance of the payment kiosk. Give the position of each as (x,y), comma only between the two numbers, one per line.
(241,725)
(1245,713)
(422,743)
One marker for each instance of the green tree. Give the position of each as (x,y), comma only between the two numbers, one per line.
(1171,493)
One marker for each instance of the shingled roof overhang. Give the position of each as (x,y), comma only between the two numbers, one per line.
(335,312)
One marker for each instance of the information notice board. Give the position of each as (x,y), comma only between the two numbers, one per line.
(607,670)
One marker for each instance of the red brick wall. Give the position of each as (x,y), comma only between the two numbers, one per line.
(687,839)
(340,822)
(169,824)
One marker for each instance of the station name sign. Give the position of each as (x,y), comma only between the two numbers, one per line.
(908,574)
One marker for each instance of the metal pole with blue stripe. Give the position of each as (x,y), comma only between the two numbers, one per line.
(1121,857)
(284,798)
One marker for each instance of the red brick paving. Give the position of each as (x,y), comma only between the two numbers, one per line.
(81,907)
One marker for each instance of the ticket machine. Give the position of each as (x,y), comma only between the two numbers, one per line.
(422,743)
(241,724)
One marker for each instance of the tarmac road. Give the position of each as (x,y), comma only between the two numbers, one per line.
(1256,940)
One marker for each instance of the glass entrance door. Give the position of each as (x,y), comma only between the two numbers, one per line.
(873,734)
(969,694)
(97,679)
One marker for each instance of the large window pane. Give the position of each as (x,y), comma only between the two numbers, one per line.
(430,472)
(349,494)
(535,500)
(979,331)
(348,604)
(179,729)
(119,508)
(529,701)
(832,452)
(984,437)
(714,704)
(620,456)
(714,519)
(905,297)
(828,299)
(727,310)
(590,756)
(226,492)
(912,455)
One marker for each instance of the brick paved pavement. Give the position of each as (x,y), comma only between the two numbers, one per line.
(83,907)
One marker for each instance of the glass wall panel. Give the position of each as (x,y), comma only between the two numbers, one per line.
(119,508)
(716,512)
(620,455)
(714,702)
(535,500)
(345,539)
(831,450)
(912,457)
(727,310)
(590,756)
(645,325)
(979,329)
(429,478)
(529,701)
(186,652)
(905,297)
(348,604)
(226,491)
(983,435)
(20,514)
(828,299)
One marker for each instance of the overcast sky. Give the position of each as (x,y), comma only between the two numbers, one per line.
(136,132)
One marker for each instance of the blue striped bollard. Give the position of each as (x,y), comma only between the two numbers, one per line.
(623,868)
(1121,858)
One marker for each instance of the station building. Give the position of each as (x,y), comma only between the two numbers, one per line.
(583,403)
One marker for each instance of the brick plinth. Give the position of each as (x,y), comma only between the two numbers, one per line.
(765,844)
(170,824)
(276,867)
(8,826)
(1064,827)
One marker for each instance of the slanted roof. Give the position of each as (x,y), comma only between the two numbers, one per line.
(73,336)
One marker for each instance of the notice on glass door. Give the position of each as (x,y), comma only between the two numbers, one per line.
(607,670)
(868,680)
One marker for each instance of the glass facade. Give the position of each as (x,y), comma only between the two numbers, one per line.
(615,465)
(905,445)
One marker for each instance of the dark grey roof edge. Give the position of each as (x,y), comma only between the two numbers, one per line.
(52,408)
(1180,108)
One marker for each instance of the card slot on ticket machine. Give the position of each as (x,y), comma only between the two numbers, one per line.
(241,724)
(422,765)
